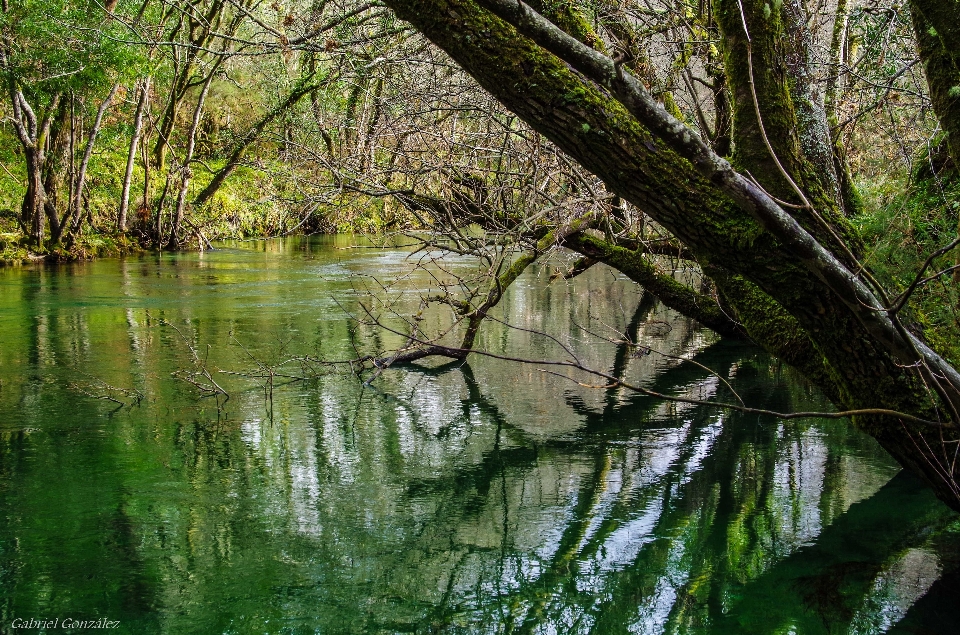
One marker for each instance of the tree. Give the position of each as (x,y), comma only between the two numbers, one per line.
(768,226)
(938,37)
(56,57)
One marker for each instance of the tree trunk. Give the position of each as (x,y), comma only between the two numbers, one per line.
(779,125)
(185,173)
(32,210)
(833,95)
(76,203)
(32,133)
(838,49)
(201,30)
(658,165)
(56,168)
(937,27)
(132,154)
(145,161)
(303,87)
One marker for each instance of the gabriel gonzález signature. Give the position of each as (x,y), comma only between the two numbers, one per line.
(67,623)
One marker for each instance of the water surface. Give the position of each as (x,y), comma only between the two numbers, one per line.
(487,497)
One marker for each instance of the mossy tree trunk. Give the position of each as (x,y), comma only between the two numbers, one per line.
(937,27)
(31,211)
(769,71)
(792,309)
(33,131)
(936,24)
(56,167)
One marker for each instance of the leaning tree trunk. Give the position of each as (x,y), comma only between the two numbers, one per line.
(132,154)
(802,262)
(76,202)
(303,87)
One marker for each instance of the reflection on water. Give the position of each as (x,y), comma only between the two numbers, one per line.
(479,498)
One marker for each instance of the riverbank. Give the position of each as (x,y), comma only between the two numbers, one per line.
(255,223)
(14,252)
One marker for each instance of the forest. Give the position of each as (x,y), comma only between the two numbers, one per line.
(782,171)
(480,316)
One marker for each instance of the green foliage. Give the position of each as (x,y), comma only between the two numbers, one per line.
(12,252)
(65,46)
(12,178)
(902,229)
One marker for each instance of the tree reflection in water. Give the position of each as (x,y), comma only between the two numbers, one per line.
(468,498)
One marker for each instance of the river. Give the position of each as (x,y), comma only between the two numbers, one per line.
(488,497)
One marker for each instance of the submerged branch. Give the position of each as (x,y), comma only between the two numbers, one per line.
(616,382)
(814,261)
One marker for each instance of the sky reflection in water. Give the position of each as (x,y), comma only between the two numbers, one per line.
(482,498)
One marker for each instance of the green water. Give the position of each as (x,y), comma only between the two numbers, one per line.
(482,498)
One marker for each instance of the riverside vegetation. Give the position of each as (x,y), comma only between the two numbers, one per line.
(795,161)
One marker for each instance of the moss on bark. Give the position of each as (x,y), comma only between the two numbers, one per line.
(791,113)
(768,324)
(937,27)
(679,297)
(594,128)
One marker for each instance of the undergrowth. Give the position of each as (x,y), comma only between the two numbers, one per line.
(902,227)
(260,200)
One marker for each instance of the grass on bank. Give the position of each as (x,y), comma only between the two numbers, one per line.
(902,227)
(259,200)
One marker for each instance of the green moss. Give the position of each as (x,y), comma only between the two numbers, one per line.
(670,104)
(568,16)
(902,229)
(777,331)
(782,121)
(13,248)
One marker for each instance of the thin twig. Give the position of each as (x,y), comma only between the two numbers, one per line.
(615,382)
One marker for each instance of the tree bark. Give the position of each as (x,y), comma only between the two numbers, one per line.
(32,134)
(774,100)
(32,209)
(669,291)
(132,154)
(57,168)
(76,203)
(937,27)
(833,95)
(838,49)
(800,262)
